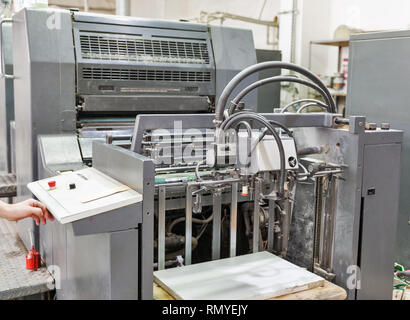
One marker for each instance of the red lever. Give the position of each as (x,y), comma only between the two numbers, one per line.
(33,259)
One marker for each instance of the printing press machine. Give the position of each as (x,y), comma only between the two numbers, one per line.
(216,179)
(98,72)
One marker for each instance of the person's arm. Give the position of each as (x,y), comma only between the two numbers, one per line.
(26,209)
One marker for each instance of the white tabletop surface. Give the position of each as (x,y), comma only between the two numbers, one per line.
(251,277)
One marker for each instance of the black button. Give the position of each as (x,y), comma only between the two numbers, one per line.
(72,186)
(371,192)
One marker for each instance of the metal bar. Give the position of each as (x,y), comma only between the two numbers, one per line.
(123,7)
(188,226)
(200,184)
(86,6)
(159,170)
(234,219)
(321,174)
(318,219)
(220,15)
(271,227)
(286,227)
(329,224)
(161,228)
(256,217)
(298,120)
(216,232)
(109,139)
(145,123)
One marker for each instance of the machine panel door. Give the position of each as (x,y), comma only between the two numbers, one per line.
(124,265)
(379,220)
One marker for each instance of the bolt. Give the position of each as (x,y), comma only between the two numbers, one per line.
(372,126)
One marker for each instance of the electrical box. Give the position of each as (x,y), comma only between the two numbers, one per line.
(265,156)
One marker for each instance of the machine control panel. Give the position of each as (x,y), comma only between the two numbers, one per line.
(82,194)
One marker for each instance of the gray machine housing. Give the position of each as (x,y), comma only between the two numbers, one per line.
(6,101)
(378,87)
(366,207)
(108,256)
(82,85)
(97,72)
(365,204)
(367,189)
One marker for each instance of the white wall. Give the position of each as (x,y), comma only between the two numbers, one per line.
(191,9)
(320,22)
(160,9)
(317,20)
(248,8)
(371,14)
(314,21)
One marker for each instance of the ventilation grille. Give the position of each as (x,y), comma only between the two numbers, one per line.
(145,75)
(140,50)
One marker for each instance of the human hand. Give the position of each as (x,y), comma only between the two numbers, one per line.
(29,209)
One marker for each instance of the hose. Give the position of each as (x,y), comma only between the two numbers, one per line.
(197,175)
(306,172)
(220,107)
(194,220)
(247,126)
(243,116)
(320,103)
(310,105)
(263,82)
(265,132)
(277,124)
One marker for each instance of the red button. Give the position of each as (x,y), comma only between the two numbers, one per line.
(52,184)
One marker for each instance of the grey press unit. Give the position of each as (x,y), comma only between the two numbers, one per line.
(378,87)
(92,90)
(89,75)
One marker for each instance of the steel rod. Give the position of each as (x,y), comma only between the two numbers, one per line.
(234,219)
(188,226)
(329,224)
(216,231)
(199,184)
(256,217)
(161,228)
(271,226)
